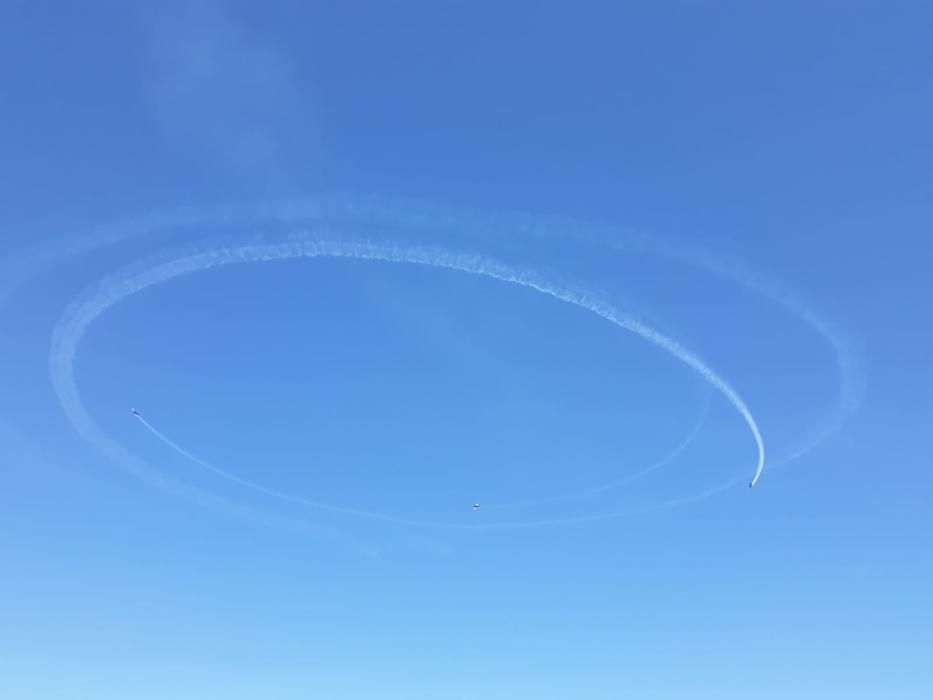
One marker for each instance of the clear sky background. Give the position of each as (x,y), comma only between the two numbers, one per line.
(795,137)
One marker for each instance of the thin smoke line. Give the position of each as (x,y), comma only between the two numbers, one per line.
(69,331)
(511,525)
(681,446)
(264,489)
(627,479)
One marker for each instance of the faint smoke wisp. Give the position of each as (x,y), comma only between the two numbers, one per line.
(217,85)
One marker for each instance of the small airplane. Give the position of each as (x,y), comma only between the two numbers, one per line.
(135,412)
(476,506)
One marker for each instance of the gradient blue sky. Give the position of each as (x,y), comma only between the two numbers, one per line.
(795,137)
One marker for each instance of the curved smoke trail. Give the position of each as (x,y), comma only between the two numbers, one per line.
(379,213)
(501,525)
(849,362)
(627,479)
(70,329)
(266,490)
(191,457)
(429,219)
(394,213)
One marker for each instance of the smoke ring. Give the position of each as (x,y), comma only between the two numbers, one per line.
(70,329)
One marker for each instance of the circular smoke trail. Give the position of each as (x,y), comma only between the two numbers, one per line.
(70,329)
(425,218)
(412,217)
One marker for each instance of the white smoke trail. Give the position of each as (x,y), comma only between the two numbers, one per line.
(422,217)
(627,479)
(267,491)
(428,219)
(849,363)
(378,213)
(162,437)
(70,329)
(499,525)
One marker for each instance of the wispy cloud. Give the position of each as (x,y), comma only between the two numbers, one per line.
(218,85)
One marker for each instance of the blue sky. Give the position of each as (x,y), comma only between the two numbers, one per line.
(752,181)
